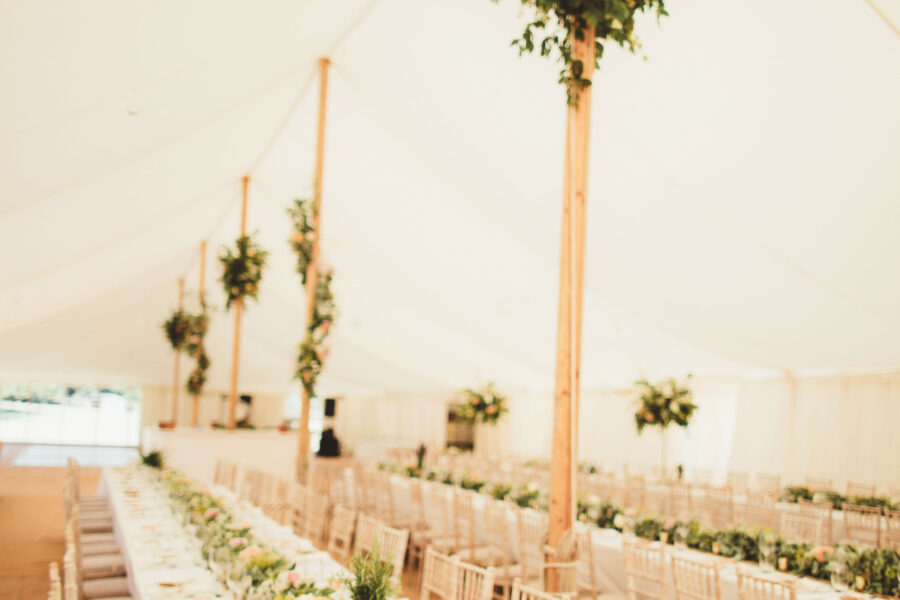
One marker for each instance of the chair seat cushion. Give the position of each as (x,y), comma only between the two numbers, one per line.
(94,502)
(101,566)
(94,548)
(107,587)
(96,538)
(96,526)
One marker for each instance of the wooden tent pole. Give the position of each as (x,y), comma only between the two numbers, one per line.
(177,376)
(585,52)
(571,283)
(238,310)
(312,270)
(195,412)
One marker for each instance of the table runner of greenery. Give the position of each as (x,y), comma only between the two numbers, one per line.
(252,570)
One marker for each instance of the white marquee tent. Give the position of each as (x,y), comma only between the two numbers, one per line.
(743,191)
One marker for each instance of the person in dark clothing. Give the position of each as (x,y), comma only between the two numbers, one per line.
(329,444)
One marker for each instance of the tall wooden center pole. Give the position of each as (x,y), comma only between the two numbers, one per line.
(238,310)
(195,412)
(312,270)
(176,376)
(571,284)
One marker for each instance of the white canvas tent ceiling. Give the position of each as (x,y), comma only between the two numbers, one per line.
(743,189)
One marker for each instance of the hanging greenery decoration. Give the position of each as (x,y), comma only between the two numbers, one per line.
(303,215)
(242,269)
(199,324)
(555,23)
(176,328)
(197,378)
(663,403)
(312,353)
(482,406)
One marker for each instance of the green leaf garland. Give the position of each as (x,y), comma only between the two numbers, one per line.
(312,353)
(242,269)
(555,22)
(176,328)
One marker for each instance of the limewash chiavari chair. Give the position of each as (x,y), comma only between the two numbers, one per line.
(274,497)
(496,525)
(392,547)
(587,578)
(645,570)
(315,526)
(86,502)
(695,579)
(524,592)
(702,476)
(465,528)
(769,483)
(384,497)
(738,481)
(421,533)
(862,524)
(106,561)
(250,486)
(451,579)
(340,535)
(656,501)
(798,526)
(860,490)
(564,563)
(818,484)
(78,586)
(823,511)
(298,507)
(439,573)
(892,529)
(367,528)
(755,587)
(680,501)
(634,491)
(533,527)
(712,512)
(219,474)
(97,526)
(439,516)
(756,515)
(55,592)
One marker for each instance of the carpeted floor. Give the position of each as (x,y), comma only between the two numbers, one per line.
(32,521)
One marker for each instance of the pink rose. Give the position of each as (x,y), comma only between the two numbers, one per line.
(238,541)
(669,524)
(821,551)
(250,552)
(649,417)
(491,409)
(293,577)
(631,512)
(209,514)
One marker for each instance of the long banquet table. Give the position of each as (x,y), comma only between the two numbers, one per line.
(163,559)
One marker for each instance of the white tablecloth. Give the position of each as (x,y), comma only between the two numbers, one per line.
(164,560)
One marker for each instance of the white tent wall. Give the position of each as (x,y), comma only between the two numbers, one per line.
(842,428)
(156,405)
